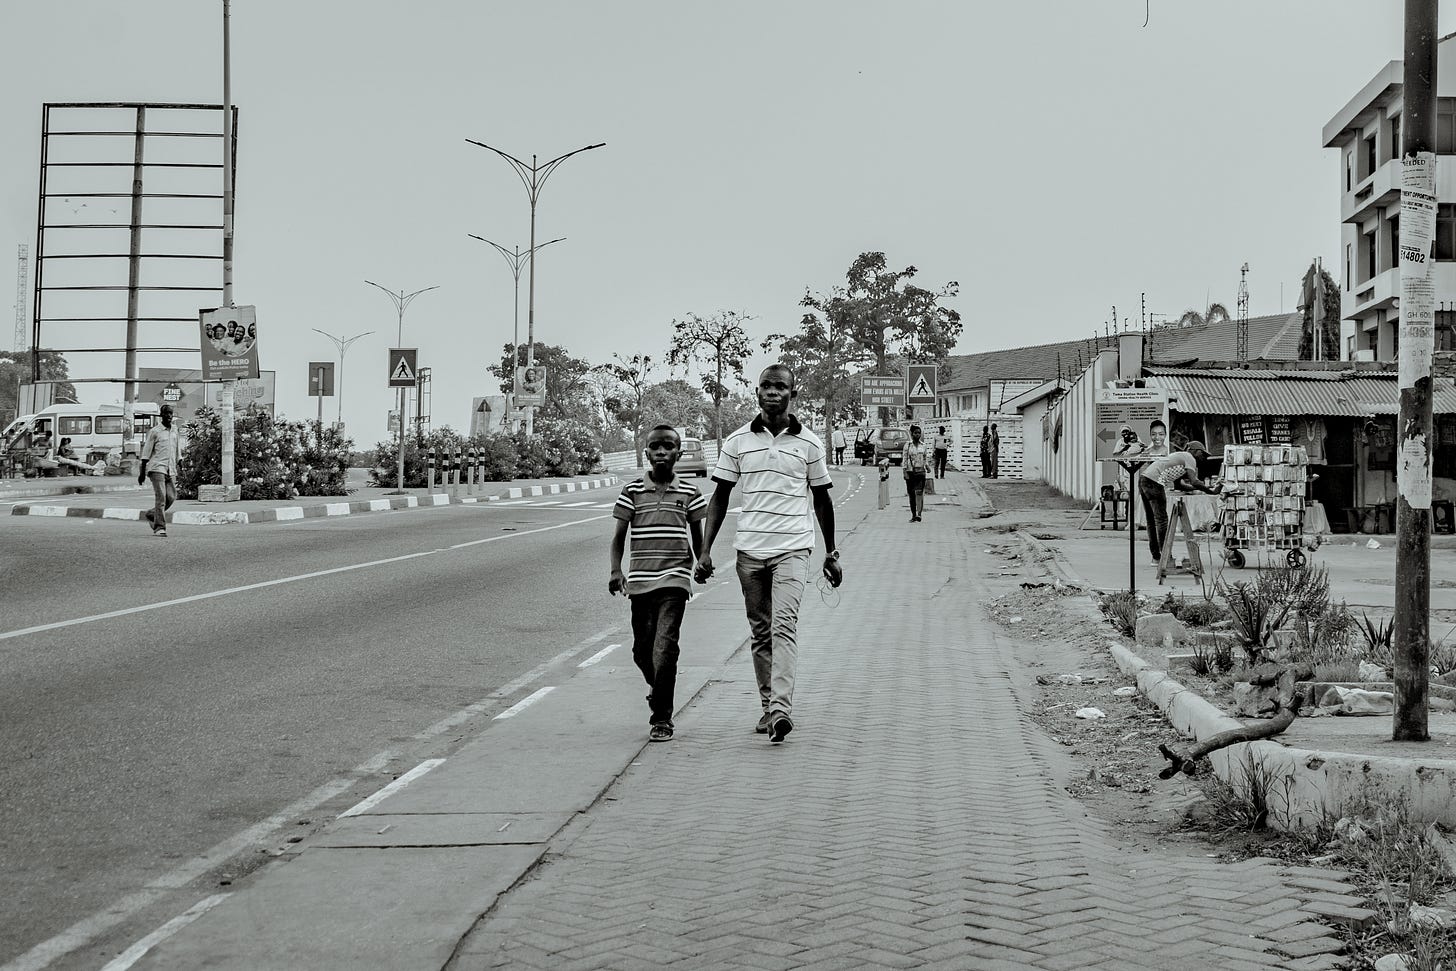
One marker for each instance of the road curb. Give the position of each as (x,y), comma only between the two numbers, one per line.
(194,517)
(1305,785)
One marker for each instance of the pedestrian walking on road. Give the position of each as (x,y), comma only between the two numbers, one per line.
(985,451)
(785,490)
(942,452)
(839,445)
(159,464)
(1179,469)
(914,464)
(995,452)
(664,515)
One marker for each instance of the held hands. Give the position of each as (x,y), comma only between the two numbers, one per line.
(617,584)
(704,570)
(833,572)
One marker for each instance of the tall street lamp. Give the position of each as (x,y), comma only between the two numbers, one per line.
(516,260)
(401,300)
(343,345)
(533,177)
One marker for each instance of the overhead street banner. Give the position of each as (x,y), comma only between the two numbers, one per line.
(1132,423)
(882,390)
(921,380)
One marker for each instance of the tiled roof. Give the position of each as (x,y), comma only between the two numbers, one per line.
(1271,338)
(1037,363)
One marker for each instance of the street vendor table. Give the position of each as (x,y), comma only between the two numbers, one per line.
(1203,511)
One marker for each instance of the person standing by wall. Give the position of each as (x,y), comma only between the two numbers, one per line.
(786,487)
(985,451)
(942,452)
(995,452)
(914,463)
(159,464)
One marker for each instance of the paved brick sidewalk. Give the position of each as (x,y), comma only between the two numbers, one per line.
(913,819)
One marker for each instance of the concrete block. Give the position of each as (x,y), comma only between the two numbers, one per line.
(1164,631)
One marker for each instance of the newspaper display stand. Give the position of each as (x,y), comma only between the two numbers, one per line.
(1263,501)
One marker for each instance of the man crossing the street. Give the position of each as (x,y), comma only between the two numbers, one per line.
(781,466)
(159,464)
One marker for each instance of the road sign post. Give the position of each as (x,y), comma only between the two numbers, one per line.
(921,380)
(403,368)
(321,386)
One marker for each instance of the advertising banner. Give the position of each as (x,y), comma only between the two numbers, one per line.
(1132,423)
(229,343)
(530,386)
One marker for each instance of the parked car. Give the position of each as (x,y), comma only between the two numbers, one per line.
(864,445)
(890,444)
(692,461)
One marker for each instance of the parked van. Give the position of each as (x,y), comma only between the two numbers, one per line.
(95,430)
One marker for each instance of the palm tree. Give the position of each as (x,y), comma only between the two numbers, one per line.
(1215,313)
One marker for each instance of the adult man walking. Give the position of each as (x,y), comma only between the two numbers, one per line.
(159,463)
(785,490)
(942,452)
(839,446)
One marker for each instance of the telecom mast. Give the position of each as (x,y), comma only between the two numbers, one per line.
(1242,332)
(22,274)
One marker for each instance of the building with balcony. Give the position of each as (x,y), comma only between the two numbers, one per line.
(1366,132)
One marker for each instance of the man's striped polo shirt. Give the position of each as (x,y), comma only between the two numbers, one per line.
(662,549)
(776,473)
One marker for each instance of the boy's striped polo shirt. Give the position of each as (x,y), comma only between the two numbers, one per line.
(776,473)
(662,549)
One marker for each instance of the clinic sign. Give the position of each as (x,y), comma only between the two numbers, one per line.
(1132,423)
(229,343)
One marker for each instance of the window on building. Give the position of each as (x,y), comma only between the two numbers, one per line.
(1393,237)
(1446,126)
(1446,330)
(1367,256)
(1444,245)
(1350,348)
(1395,136)
(1368,162)
(1349,257)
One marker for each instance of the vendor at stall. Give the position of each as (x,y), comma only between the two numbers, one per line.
(1178,470)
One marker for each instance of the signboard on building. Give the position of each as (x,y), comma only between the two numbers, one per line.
(921,380)
(882,390)
(229,343)
(1132,423)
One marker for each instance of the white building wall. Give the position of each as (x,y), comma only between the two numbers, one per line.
(1071,465)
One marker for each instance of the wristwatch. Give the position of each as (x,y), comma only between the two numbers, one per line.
(834,555)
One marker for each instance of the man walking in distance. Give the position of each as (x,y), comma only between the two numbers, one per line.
(785,489)
(942,452)
(839,445)
(914,464)
(159,463)
(1162,475)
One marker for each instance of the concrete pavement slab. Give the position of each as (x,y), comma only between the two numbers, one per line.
(440,829)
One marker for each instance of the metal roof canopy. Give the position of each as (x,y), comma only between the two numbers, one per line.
(1324,393)
(84,147)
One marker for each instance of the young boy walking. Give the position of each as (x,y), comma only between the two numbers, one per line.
(664,515)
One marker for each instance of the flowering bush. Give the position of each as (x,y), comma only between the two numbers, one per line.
(272,458)
(561,447)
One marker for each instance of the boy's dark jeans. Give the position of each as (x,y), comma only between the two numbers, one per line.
(656,619)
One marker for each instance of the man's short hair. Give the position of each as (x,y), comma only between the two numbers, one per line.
(665,428)
(915,428)
(780,366)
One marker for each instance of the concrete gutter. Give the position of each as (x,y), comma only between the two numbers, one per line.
(1305,785)
(223,517)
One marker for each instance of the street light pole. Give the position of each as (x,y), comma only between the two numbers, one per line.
(533,177)
(229,385)
(516,260)
(401,301)
(343,345)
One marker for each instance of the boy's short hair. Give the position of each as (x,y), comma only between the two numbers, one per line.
(665,428)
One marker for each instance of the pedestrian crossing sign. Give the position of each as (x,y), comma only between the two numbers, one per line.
(921,380)
(403,367)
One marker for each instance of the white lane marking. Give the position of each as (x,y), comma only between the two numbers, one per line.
(369,803)
(514,502)
(133,954)
(194,598)
(574,505)
(548,502)
(84,931)
(598,655)
(525,702)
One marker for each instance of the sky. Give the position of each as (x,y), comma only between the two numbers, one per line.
(1055,158)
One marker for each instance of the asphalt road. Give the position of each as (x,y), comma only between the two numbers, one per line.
(143,750)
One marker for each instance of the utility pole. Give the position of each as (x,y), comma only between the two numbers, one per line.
(401,301)
(517,261)
(343,344)
(533,177)
(1417,342)
(229,385)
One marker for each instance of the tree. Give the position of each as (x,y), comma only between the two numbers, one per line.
(888,315)
(568,393)
(15,370)
(719,342)
(631,377)
(1320,290)
(1215,313)
(823,352)
(673,402)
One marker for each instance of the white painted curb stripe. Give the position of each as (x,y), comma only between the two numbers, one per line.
(536,491)
(525,702)
(288,512)
(131,955)
(336,509)
(378,505)
(389,790)
(514,492)
(47,510)
(116,513)
(598,655)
